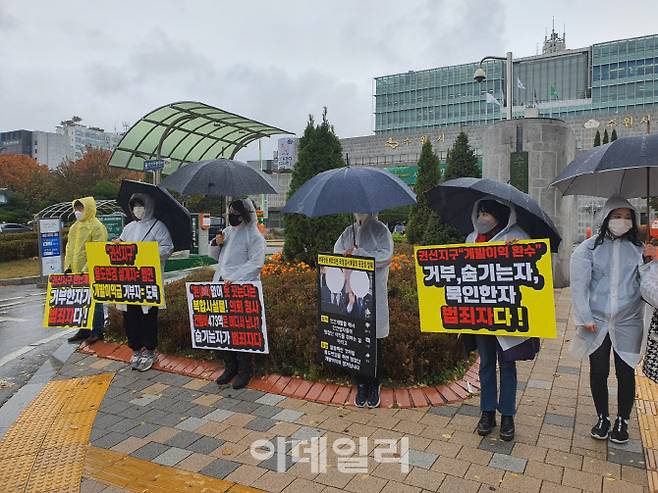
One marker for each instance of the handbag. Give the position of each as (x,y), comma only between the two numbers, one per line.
(650,365)
(525,351)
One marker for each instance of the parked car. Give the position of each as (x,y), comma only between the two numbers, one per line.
(14,228)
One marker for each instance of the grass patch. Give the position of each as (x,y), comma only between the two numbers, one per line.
(19,268)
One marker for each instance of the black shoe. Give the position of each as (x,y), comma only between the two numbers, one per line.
(241,381)
(507,428)
(94,337)
(227,376)
(361,395)
(619,432)
(601,429)
(486,423)
(80,335)
(373,395)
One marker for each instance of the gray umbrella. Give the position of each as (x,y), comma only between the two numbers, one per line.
(219,177)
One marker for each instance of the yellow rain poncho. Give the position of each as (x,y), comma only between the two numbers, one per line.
(89,228)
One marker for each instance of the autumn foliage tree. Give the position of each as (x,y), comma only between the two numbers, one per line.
(30,184)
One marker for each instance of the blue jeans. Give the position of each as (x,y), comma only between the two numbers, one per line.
(489,398)
(98,322)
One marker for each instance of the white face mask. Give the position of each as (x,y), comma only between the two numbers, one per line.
(79,215)
(483,225)
(138,212)
(619,227)
(360,217)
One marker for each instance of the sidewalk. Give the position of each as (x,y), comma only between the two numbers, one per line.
(101,427)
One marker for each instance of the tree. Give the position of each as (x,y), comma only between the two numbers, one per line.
(462,161)
(597,139)
(613,136)
(319,150)
(605,137)
(428,177)
(30,181)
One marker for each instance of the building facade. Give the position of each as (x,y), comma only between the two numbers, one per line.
(79,137)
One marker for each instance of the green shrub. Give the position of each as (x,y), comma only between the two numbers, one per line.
(18,249)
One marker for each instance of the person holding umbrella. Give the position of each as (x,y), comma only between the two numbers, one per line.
(608,311)
(141,322)
(240,253)
(369,237)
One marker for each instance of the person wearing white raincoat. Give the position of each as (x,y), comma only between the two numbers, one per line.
(369,237)
(240,253)
(141,322)
(608,311)
(495,220)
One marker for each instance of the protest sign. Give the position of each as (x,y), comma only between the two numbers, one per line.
(227,317)
(126,273)
(68,302)
(346,304)
(486,288)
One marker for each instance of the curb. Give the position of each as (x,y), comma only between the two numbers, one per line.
(298,388)
(19,281)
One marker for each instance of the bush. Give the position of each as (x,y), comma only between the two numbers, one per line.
(18,249)
(290,291)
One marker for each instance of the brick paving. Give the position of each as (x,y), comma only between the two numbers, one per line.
(192,425)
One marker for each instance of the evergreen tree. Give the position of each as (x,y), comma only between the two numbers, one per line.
(319,150)
(597,139)
(428,177)
(613,136)
(462,161)
(605,137)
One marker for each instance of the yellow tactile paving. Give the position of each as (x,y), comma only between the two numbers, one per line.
(139,475)
(646,400)
(44,450)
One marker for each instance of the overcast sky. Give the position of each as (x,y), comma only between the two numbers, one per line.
(274,61)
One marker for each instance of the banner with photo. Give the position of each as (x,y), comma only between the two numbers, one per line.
(69,303)
(227,317)
(347,323)
(487,288)
(125,273)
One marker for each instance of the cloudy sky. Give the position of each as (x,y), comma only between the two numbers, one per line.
(274,61)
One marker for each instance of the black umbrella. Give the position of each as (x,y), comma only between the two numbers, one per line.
(167,209)
(454,201)
(219,177)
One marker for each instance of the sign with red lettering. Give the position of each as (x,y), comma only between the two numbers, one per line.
(227,317)
(126,273)
(68,302)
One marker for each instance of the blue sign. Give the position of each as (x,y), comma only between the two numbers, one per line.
(50,245)
(154,164)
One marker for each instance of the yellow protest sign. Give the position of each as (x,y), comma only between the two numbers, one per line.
(68,302)
(486,288)
(126,273)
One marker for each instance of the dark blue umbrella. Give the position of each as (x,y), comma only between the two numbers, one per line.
(361,189)
(454,201)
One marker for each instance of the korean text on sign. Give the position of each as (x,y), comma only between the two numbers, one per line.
(486,288)
(68,302)
(127,273)
(227,317)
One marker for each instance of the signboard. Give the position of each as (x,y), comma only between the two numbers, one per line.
(518,170)
(286,153)
(127,273)
(227,317)
(486,288)
(68,302)
(50,246)
(654,229)
(155,164)
(194,248)
(113,223)
(347,317)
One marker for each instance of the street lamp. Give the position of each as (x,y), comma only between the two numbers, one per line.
(480,76)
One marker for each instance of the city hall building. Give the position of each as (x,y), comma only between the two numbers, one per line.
(604,87)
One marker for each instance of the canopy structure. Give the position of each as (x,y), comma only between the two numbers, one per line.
(186,132)
(64,210)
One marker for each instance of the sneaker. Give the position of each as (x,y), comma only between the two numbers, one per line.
(374,396)
(619,432)
(134,361)
(80,335)
(241,381)
(487,422)
(94,337)
(227,376)
(146,361)
(361,395)
(601,429)
(507,428)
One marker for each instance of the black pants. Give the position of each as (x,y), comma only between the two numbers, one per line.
(599,369)
(141,328)
(237,362)
(363,380)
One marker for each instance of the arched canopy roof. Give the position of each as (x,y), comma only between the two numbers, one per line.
(186,132)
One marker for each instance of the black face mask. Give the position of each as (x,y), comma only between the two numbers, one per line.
(234,219)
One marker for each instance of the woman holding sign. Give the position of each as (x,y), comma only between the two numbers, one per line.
(141,322)
(240,253)
(494,220)
(609,312)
